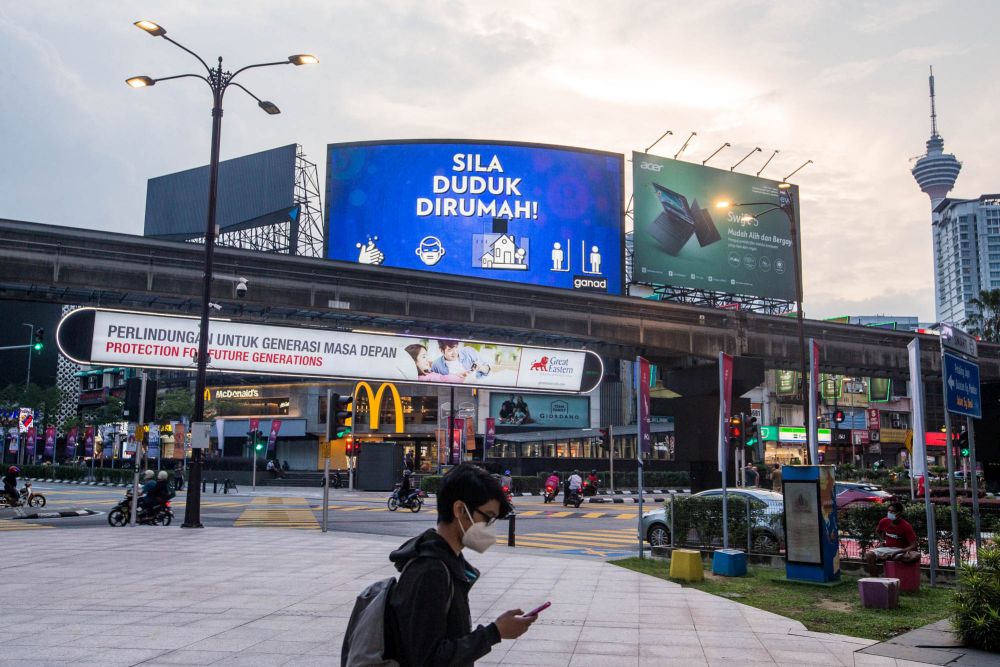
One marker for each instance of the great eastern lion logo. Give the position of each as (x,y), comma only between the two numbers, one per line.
(541,365)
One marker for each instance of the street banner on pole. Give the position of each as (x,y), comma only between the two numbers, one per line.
(180,440)
(642,408)
(491,432)
(50,441)
(71,442)
(88,441)
(456,440)
(12,437)
(254,424)
(919,464)
(26,419)
(29,447)
(725,398)
(220,433)
(153,442)
(272,439)
(813,426)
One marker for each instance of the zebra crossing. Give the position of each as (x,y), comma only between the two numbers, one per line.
(13,525)
(597,542)
(273,512)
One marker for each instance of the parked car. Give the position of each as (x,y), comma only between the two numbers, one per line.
(848,493)
(769,533)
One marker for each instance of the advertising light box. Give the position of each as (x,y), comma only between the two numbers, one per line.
(121,338)
(526,213)
(683,239)
(533,412)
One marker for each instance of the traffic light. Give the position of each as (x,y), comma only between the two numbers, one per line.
(963,443)
(605,441)
(258,440)
(39,340)
(838,416)
(752,436)
(350,448)
(133,392)
(342,416)
(736,431)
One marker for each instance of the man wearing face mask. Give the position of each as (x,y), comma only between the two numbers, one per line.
(430,603)
(899,541)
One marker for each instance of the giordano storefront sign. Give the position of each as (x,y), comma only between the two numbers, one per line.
(375,404)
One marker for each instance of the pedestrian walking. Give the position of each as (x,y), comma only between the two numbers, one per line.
(178,477)
(427,610)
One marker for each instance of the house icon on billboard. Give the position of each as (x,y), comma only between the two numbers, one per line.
(504,253)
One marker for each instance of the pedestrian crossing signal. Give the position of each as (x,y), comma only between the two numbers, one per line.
(736,430)
(752,433)
(963,444)
(39,340)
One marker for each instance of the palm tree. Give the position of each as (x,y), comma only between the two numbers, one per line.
(985,321)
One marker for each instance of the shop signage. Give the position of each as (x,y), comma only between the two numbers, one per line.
(874,421)
(375,404)
(798,435)
(122,338)
(893,436)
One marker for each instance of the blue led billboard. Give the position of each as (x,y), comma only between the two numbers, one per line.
(527,213)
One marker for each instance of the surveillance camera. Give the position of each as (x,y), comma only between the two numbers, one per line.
(241,288)
(214,305)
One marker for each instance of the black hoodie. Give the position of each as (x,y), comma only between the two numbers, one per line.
(428,630)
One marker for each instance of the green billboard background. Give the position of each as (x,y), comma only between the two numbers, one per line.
(683,240)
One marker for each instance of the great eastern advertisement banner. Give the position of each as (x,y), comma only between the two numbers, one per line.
(124,338)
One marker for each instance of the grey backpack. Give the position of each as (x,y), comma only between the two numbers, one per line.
(364,639)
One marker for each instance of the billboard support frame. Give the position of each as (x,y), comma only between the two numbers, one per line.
(699,297)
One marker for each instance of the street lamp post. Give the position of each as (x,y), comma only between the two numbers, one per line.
(218,81)
(787,206)
(31,338)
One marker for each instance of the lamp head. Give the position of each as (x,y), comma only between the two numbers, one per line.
(150,27)
(784,185)
(140,81)
(269,107)
(723,203)
(303,59)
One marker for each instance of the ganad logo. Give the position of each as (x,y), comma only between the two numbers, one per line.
(590,283)
(650,166)
(552,365)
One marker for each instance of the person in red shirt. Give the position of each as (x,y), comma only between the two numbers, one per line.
(899,541)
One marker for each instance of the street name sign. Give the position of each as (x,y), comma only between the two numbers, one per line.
(961,386)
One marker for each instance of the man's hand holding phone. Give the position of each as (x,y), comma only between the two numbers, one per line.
(514,623)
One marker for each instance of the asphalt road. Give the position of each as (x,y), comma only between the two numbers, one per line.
(598,530)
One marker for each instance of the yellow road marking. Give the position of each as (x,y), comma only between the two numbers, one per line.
(20,525)
(629,515)
(593,515)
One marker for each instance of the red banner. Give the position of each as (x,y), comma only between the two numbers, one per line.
(273,437)
(642,406)
(874,420)
(88,440)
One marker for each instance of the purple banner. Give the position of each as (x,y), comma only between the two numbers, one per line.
(29,447)
(50,441)
(12,437)
(71,442)
(456,441)
(88,441)
(642,406)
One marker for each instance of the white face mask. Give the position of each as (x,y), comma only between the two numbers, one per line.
(479,537)
(891,515)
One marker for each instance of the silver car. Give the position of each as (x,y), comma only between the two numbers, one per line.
(768,533)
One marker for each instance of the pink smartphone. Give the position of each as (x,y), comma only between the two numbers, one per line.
(537,610)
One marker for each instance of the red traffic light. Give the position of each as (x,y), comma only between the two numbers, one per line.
(838,416)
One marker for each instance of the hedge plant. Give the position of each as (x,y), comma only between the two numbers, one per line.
(976,605)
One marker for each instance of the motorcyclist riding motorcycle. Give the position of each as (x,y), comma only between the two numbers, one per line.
(163,491)
(147,492)
(591,484)
(406,490)
(573,486)
(10,486)
(552,486)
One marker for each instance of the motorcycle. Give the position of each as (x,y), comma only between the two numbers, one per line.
(413,501)
(161,515)
(507,494)
(30,498)
(589,488)
(550,493)
(573,498)
(25,498)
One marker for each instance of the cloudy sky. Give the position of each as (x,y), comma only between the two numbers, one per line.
(841,83)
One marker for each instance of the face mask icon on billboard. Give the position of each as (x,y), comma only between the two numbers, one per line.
(430,250)
(369,252)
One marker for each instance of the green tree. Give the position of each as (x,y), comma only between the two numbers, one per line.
(111,412)
(173,404)
(43,400)
(985,322)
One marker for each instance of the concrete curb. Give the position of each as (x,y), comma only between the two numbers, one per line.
(55,515)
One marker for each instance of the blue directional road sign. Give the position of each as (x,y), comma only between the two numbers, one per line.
(961,386)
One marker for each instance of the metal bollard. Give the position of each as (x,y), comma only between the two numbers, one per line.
(225,486)
(203,483)
(672,519)
(215,485)
(511,520)
(749,527)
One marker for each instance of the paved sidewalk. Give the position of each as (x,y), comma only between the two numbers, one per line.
(169,596)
